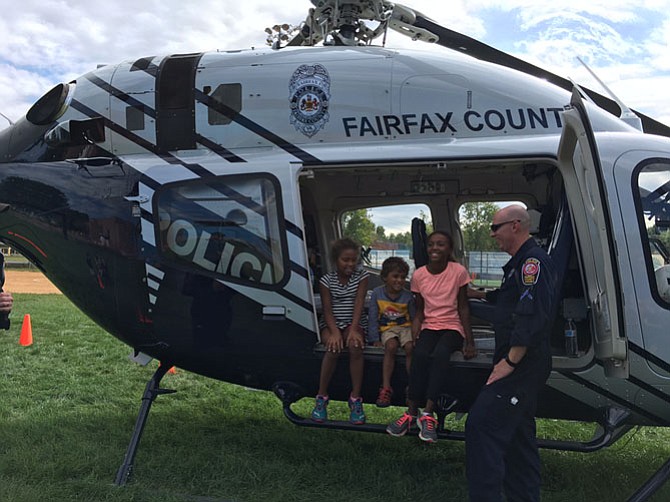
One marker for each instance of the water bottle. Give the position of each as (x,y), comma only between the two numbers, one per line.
(571,339)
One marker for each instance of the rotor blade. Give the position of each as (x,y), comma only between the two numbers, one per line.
(466,45)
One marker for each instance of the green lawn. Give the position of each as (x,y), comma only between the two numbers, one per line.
(69,402)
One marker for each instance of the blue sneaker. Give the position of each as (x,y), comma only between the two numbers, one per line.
(320,411)
(357,416)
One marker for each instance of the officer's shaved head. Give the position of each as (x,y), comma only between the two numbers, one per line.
(517,212)
(511,228)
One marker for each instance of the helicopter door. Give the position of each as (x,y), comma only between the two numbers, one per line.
(242,230)
(580,165)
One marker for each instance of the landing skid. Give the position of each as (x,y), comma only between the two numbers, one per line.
(611,425)
(659,478)
(151,392)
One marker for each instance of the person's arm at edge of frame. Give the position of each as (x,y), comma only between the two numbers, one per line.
(6,302)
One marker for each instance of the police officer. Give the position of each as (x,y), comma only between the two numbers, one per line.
(500,431)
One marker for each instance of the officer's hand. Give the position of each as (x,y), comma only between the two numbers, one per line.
(500,370)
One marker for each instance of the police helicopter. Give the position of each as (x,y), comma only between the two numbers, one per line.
(186,204)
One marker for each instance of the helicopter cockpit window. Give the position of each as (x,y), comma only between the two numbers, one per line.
(227,227)
(653,183)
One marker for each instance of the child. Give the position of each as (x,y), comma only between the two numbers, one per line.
(343,325)
(390,321)
(441,325)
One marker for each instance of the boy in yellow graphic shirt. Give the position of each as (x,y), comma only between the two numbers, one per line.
(390,321)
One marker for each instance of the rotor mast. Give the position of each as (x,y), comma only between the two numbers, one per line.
(343,22)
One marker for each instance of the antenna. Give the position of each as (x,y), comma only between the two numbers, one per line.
(627,115)
(7,118)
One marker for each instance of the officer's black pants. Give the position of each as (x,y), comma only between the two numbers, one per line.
(500,444)
(430,361)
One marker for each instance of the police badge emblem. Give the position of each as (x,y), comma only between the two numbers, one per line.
(309,96)
(530,271)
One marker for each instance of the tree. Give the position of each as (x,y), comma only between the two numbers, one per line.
(358,225)
(404,240)
(475,220)
(426,219)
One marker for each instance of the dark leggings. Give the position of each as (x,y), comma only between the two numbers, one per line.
(430,361)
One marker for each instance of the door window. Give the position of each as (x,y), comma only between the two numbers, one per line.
(227,227)
(653,205)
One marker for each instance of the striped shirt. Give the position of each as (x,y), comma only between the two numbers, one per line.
(343,297)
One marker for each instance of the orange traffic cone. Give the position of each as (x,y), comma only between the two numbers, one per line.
(26,337)
(173,370)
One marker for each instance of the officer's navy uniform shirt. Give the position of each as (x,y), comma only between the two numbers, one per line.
(525,308)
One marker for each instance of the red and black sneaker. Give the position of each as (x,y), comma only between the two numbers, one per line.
(384,397)
(401,426)
(428,428)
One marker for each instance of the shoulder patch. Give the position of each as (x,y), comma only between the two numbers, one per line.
(530,271)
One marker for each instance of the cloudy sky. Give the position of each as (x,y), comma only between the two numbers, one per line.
(45,42)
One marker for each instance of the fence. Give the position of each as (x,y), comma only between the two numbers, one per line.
(485,266)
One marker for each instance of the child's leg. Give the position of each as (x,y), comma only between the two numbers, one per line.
(356,370)
(407,345)
(448,342)
(390,351)
(355,363)
(420,369)
(409,350)
(328,365)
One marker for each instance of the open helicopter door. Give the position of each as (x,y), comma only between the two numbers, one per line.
(239,233)
(582,174)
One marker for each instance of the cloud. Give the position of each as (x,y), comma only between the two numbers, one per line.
(45,43)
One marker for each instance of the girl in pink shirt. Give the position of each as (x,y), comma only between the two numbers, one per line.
(441,326)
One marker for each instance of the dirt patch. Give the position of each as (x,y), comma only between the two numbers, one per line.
(28,281)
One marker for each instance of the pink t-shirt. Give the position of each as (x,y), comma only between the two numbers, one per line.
(440,296)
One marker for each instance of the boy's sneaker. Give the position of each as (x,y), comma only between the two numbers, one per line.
(428,428)
(320,411)
(401,426)
(357,415)
(384,397)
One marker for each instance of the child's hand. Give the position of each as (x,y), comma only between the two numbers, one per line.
(335,342)
(469,351)
(355,339)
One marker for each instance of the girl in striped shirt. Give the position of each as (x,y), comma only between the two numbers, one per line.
(343,326)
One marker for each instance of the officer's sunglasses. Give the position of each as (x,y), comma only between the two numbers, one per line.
(496,226)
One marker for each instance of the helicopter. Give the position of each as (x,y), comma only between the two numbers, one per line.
(186,203)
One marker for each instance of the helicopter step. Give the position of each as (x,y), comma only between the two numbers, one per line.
(289,393)
(610,427)
(151,392)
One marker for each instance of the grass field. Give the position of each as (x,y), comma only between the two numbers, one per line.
(68,405)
